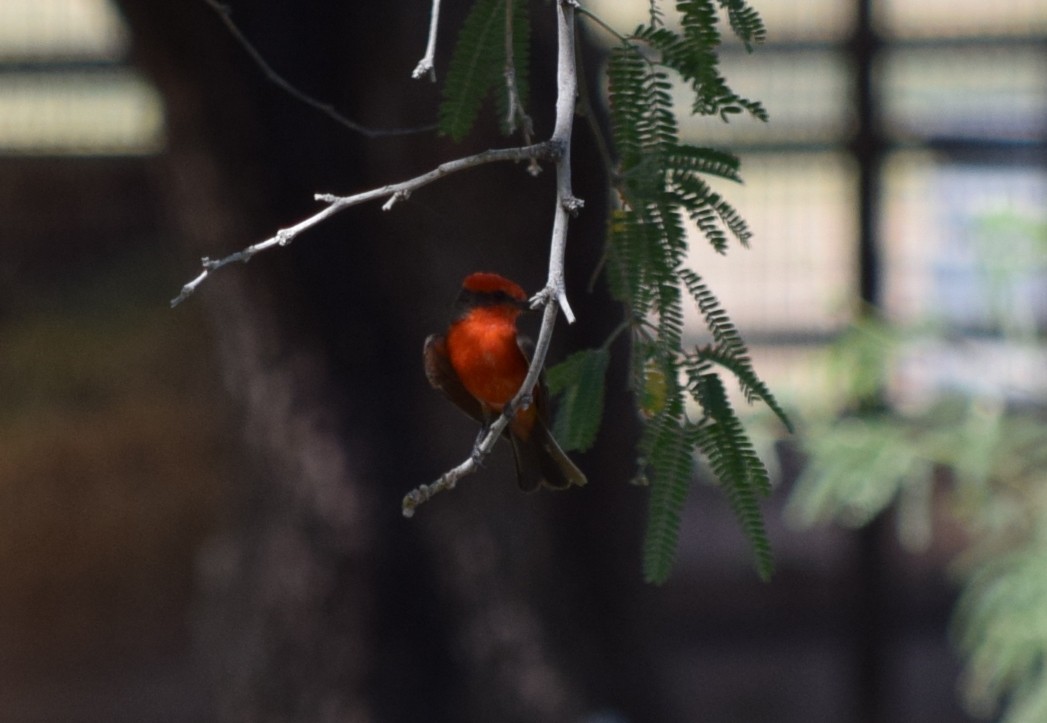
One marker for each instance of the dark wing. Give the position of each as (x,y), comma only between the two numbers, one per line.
(539,395)
(442,376)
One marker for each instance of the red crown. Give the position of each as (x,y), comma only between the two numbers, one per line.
(487,283)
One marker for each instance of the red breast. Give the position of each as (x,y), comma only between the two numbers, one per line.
(482,344)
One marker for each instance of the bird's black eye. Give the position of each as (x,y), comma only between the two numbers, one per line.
(468,298)
(491,298)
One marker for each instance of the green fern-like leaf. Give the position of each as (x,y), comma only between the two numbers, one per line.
(709,211)
(720,325)
(632,244)
(693,54)
(692,194)
(643,124)
(733,460)
(670,316)
(731,218)
(521,42)
(751,385)
(667,455)
(672,469)
(858,468)
(579,381)
(626,70)
(655,14)
(699,22)
(1001,624)
(745,22)
(473,68)
(692,160)
(478,64)
(647,240)
(659,180)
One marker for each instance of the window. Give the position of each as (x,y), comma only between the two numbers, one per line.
(931,196)
(64,88)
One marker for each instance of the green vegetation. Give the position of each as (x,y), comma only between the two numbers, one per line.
(660,184)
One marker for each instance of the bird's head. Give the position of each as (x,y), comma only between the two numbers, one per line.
(491,291)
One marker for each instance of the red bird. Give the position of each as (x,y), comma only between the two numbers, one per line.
(480,366)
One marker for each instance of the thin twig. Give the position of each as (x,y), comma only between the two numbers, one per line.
(602,23)
(586,110)
(447,481)
(326,108)
(553,297)
(426,64)
(394,192)
(516,112)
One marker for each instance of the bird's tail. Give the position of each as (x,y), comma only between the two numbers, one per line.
(541,462)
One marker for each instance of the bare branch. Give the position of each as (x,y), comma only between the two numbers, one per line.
(425,65)
(326,108)
(566,203)
(423,493)
(553,296)
(395,192)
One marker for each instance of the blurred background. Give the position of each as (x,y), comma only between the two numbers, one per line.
(200,507)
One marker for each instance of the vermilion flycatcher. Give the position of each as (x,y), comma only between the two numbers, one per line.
(480,366)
